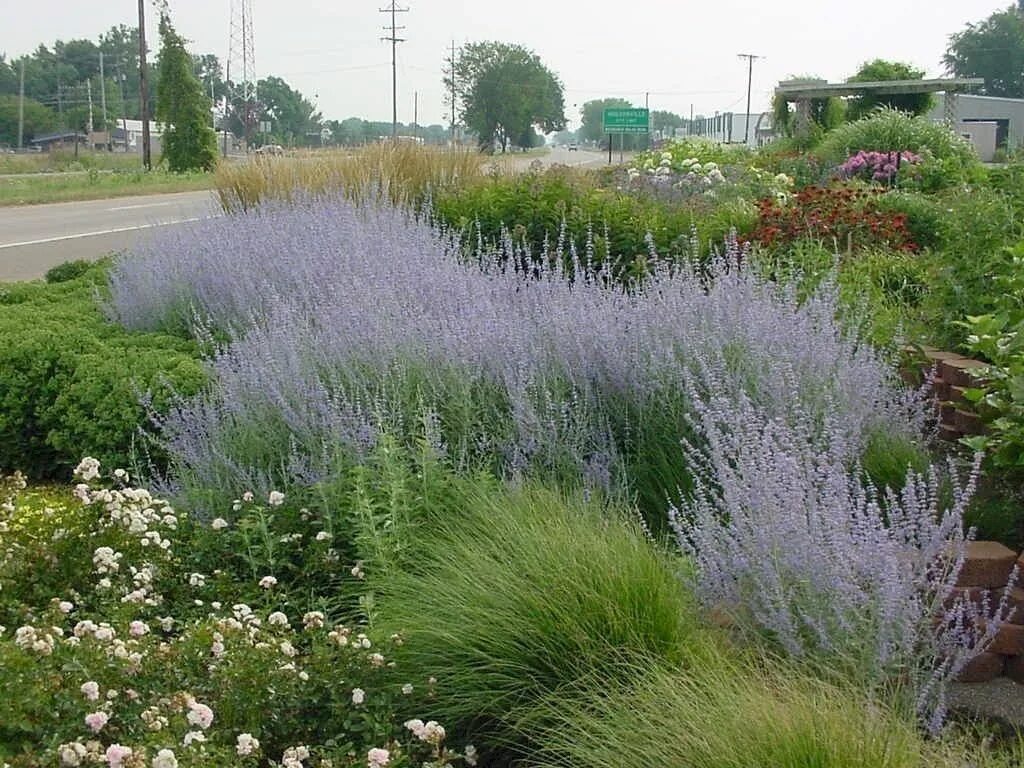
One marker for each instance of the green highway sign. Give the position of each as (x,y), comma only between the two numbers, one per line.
(620,120)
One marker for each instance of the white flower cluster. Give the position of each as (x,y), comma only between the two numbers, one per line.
(32,640)
(199,714)
(88,469)
(106,560)
(294,756)
(245,744)
(431,732)
(689,172)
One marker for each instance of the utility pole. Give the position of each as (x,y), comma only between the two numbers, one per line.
(103,95)
(394,40)
(750,79)
(21,107)
(690,131)
(416,114)
(453,94)
(143,89)
(227,79)
(647,106)
(121,76)
(88,90)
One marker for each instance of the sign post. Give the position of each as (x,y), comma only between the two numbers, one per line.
(622,121)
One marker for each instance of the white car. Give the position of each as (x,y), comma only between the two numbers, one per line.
(574,147)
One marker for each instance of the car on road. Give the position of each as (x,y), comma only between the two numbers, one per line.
(574,147)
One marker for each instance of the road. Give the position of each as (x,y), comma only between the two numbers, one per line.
(583,158)
(34,238)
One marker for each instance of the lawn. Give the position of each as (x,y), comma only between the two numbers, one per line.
(95,184)
(402,463)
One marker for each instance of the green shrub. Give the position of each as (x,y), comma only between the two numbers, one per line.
(973,258)
(1010,181)
(69,270)
(70,382)
(950,159)
(532,208)
(737,717)
(881,291)
(93,602)
(525,595)
(927,219)
(888,457)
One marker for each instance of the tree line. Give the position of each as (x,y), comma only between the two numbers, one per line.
(504,95)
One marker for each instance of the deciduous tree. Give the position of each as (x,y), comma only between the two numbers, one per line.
(504,91)
(992,49)
(881,70)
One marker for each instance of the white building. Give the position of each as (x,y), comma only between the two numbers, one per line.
(127,134)
(979,117)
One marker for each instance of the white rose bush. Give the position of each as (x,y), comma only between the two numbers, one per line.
(136,663)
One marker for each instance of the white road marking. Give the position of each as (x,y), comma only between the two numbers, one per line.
(99,232)
(141,205)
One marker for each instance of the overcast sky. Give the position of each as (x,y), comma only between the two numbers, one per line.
(683,53)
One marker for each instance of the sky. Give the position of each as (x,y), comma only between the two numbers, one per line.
(681,54)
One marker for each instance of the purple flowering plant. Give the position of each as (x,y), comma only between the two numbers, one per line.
(787,538)
(877,166)
(338,323)
(345,321)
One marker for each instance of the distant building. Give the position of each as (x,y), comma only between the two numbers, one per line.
(127,134)
(974,112)
(731,128)
(48,142)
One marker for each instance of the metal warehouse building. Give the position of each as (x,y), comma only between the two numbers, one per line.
(991,122)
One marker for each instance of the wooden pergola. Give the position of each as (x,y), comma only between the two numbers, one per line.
(802,92)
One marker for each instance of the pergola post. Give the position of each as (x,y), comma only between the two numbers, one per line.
(949,108)
(803,118)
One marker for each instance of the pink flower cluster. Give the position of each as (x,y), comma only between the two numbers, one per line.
(878,166)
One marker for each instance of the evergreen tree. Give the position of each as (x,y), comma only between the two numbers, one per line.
(189,141)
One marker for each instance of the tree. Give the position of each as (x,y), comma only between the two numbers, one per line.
(592,128)
(81,55)
(291,114)
(208,71)
(189,141)
(881,70)
(8,76)
(504,91)
(992,49)
(666,123)
(120,46)
(38,119)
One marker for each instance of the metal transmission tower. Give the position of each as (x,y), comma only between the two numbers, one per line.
(393,9)
(242,66)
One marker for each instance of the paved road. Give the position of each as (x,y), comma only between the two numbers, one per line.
(583,158)
(34,238)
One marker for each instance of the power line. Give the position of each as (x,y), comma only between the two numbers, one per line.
(393,9)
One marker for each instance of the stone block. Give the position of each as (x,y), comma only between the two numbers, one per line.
(982,668)
(949,433)
(1014,668)
(1009,640)
(987,564)
(961,372)
(968,422)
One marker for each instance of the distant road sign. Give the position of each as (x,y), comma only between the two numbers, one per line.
(619,120)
